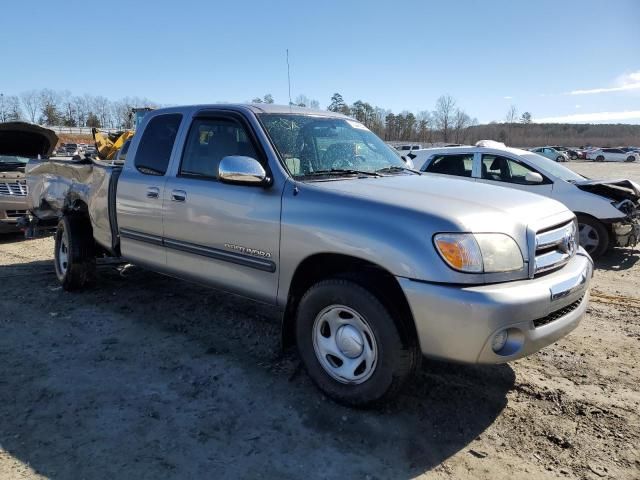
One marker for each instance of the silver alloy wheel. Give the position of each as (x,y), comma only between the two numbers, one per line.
(344,344)
(589,238)
(63,253)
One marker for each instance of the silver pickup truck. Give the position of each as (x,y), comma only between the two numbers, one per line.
(373,264)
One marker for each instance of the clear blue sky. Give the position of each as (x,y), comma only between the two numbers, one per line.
(395,54)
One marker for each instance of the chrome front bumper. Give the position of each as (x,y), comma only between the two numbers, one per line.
(11,209)
(458,323)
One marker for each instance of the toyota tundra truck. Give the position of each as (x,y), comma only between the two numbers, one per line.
(374,265)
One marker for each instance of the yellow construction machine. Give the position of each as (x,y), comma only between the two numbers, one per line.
(108,143)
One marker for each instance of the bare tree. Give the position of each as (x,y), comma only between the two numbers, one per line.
(461,122)
(82,107)
(30,104)
(102,109)
(3,108)
(510,119)
(11,108)
(444,115)
(68,109)
(512,115)
(48,104)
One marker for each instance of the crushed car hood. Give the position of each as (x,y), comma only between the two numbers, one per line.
(26,140)
(614,189)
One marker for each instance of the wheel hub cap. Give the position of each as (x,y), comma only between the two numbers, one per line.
(344,344)
(349,341)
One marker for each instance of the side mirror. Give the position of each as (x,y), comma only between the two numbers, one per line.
(242,170)
(533,177)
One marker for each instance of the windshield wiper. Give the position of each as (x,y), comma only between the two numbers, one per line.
(396,168)
(343,171)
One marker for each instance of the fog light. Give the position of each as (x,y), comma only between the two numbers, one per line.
(499,340)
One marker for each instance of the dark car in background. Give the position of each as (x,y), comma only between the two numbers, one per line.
(571,153)
(19,142)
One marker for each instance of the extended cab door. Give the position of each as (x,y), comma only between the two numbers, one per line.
(141,192)
(509,172)
(217,233)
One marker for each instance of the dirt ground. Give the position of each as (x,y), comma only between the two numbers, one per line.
(147,377)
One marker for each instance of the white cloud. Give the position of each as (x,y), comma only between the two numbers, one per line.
(592,117)
(630,81)
(508,97)
(578,106)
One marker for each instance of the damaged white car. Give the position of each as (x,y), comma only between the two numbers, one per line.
(608,211)
(19,142)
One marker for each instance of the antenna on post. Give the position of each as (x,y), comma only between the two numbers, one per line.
(289,78)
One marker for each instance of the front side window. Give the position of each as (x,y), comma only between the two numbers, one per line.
(313,145)
(154,151)
(210,140)
(459,165)
(503,169)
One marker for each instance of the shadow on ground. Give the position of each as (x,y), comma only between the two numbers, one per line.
(11,237)
(618,259)
(146,376)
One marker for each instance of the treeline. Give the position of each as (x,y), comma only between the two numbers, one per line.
(447,122)
(54,108)
(574,135)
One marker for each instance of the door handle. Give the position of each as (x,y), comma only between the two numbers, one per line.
(153,192)
(178,195)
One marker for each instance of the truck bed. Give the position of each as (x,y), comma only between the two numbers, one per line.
(57,186)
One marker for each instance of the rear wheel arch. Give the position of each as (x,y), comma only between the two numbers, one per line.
(582,217)
(379,281)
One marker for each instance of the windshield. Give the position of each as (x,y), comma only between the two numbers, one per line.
(310,145)
(552,167)
(13,159)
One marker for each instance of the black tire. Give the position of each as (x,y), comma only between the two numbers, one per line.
(79,269)
(631,158)
(599,158)
(560,158)
(597,229)
(397,357)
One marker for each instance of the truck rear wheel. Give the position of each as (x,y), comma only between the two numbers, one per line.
(74,257)
(351,345)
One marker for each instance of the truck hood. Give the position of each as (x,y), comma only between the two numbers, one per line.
(473,206)
(26,140)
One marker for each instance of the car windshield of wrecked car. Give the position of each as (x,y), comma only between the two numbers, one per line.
(13,159)
(552,167)
(312,146)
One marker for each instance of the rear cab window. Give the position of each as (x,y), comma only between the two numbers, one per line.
(460,165)
(156,144)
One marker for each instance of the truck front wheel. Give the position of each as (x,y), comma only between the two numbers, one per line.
(74,257)
(351,345)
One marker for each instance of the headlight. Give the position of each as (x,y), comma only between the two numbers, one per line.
(480,252)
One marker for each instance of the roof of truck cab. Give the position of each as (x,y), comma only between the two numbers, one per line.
(256,108)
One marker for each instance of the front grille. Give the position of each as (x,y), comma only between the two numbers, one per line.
(16,189)
(553,316)
(554,247)
(15,213)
